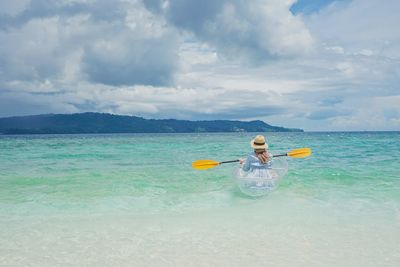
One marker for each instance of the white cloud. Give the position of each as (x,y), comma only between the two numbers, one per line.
(253,32)
(13,8)
(365,52)
(335,49)
(337,69)
(359,24)
(346,68)
(83,45)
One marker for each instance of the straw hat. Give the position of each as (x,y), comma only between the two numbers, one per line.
(259,142)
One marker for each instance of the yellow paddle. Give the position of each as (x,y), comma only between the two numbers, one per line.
(205,164)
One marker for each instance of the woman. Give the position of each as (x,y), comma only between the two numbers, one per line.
(255,175)
(259,161)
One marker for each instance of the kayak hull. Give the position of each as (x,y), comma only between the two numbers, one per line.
(257,185)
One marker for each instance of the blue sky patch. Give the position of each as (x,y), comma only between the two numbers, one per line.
(309,6)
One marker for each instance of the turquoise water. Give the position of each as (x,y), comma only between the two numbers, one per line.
(134,199)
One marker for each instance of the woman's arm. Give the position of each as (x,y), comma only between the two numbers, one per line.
(269,160)
(246,166)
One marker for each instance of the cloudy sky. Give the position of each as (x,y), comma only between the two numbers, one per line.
(311,64)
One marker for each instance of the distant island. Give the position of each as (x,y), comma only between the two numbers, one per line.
(89,122)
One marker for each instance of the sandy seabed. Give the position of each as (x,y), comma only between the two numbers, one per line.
(298,233)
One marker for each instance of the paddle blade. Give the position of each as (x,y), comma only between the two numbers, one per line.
(204,164)
(300,153)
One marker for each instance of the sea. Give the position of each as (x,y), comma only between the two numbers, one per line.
(135,200)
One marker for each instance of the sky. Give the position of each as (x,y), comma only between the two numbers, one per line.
(321,65)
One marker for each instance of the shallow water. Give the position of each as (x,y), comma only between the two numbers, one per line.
(135,200)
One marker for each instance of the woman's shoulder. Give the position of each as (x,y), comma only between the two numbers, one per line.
(252,154)
(252,157)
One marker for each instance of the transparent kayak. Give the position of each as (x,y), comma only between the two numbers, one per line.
(260,183)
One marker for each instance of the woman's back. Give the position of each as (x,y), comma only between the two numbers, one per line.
(253,162)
